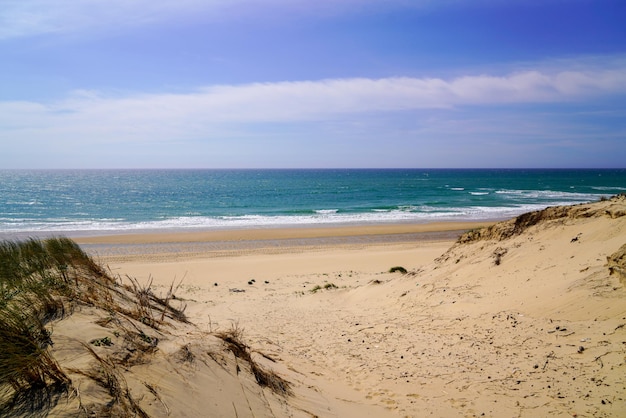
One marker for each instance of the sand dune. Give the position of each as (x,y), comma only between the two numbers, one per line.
(523,318)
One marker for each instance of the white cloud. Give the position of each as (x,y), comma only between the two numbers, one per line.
(325,98)
(199,114)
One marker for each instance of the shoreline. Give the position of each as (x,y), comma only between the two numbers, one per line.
(278,233)
(174,246)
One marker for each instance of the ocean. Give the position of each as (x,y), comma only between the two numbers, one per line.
(93,202)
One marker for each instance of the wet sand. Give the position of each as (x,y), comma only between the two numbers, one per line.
(177,245)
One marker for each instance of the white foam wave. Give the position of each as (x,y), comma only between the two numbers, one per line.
(403,213)
(24,203)
(608,188)
(326,211)
(414,214)
(547,195)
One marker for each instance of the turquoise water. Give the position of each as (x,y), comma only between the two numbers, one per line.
(104,201)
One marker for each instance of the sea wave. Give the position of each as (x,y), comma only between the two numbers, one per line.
(326,211)
(23,203)
(508,204)
(609,188)
(408,214)
(63,202)
(556,196)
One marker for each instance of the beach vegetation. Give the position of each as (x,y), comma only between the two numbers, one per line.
(36,286)
(326,286)
(185,355)
(104,341)
(46,280)
(43,281)
(316,288)
(264,377)
(498,254)
(106,375)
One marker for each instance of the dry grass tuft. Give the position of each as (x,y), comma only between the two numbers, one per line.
(106,375)
(265,378)
(149,306)
(185,355)
(269,379)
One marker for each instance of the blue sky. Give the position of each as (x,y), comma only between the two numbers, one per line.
(295,83)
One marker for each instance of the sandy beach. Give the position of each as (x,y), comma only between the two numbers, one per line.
(524,318)
(215,270)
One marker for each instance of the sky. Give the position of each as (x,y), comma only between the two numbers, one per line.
(302,84)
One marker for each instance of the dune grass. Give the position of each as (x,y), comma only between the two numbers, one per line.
(45,280)
(35,282)
(42,281)
(327,286)
(265,378)
(398,269)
